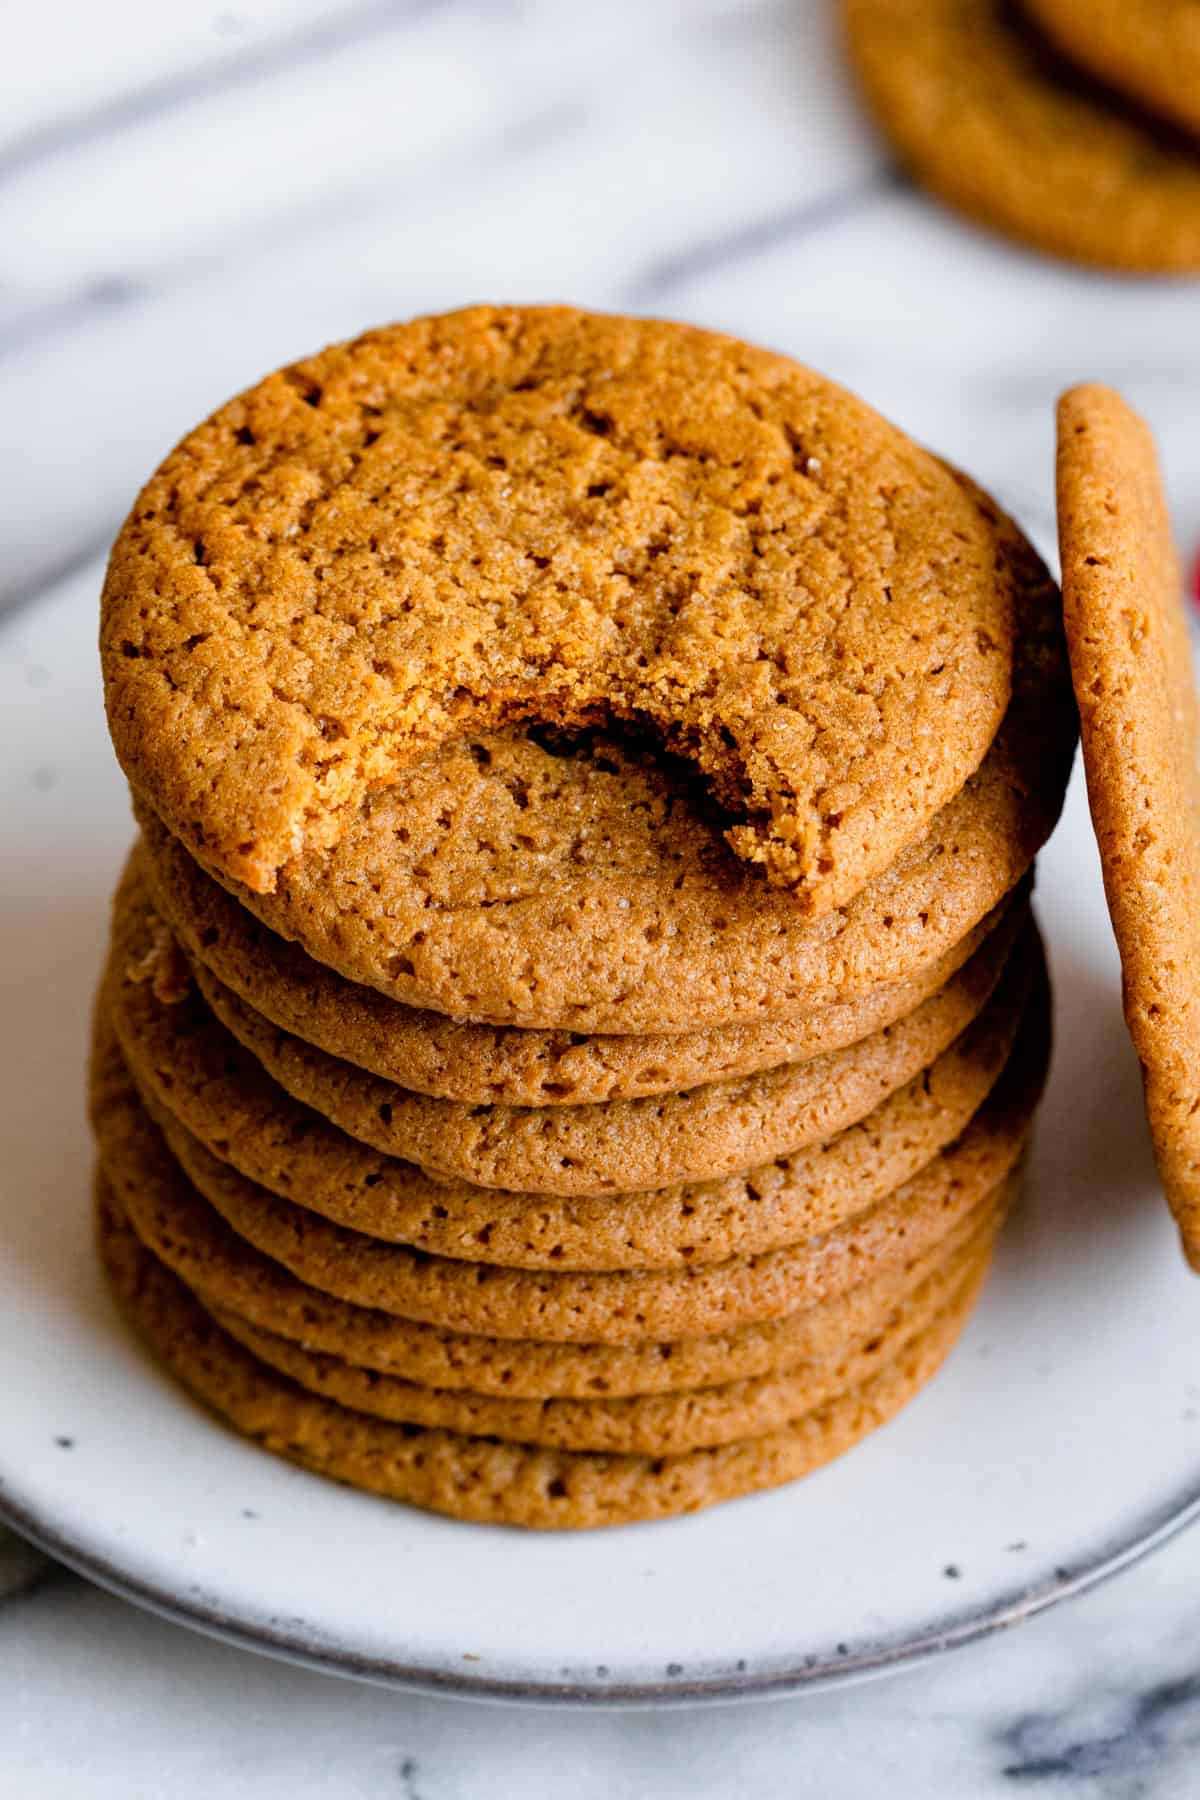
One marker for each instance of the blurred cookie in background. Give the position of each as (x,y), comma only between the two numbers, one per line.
(991,117)
(1146,49)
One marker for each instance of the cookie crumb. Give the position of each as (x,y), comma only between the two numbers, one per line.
(164,967)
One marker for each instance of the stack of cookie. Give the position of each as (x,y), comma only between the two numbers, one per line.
(1070,124)
(574,1016)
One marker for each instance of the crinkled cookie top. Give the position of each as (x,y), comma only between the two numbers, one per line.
(544,515)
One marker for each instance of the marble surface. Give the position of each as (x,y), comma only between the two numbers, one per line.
(1100,1700)
(192,193)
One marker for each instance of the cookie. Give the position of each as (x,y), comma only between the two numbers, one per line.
(477,1477)
(1132,666)
(488,1065)
(229,1275)
(203,1088)
(987,117)
(541,515)
(795,1197)
(632,1147)
(180,1229)
(656,1425)
(619,1146)
(493,1301)
(587,887)
(585,1307)
(1146,49)
(614,1307)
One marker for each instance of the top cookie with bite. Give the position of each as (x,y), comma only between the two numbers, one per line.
(544,515)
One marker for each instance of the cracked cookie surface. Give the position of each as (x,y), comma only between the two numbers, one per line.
(584,885)
(512,514)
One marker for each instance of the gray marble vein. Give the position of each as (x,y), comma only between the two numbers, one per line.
(731,249)
(1099,1702)
(542,129)
(18,330)
(1121,1742)
(76,133)
(32,584)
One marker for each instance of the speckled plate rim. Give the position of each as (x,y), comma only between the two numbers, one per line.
(780,1678)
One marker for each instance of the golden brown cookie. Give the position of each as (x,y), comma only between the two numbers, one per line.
(537,514)
(797,1197)
(619,1146)
(646,1147)
(988,118)
(654,1425)
(1132,667)
(1147,49)
(477,1477)
(486,1299)
(204,1088)
(229,1275)
(574,1307)
(508,881)
(487,1065)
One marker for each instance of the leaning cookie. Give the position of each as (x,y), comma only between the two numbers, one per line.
(1132,666)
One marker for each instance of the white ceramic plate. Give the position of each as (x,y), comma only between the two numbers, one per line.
(1062,1440)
